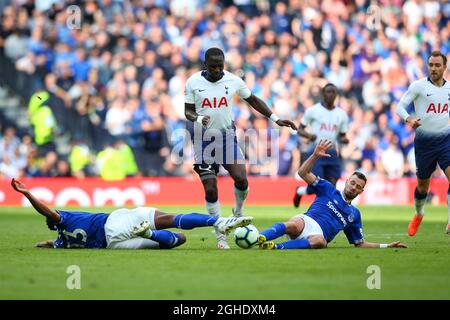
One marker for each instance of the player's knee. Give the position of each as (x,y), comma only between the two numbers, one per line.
(317,242)
(294,227)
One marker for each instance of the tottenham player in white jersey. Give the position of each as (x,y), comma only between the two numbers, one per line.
(431,97)
(324,121)
(208,98)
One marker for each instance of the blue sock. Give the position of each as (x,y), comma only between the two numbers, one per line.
(193,220)
(275,231)
(166,239)
(309,190)
(294,244)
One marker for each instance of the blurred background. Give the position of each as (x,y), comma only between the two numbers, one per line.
(96,89)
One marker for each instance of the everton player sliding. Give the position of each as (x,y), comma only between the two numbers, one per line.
(431,97)
(330,213)
(138,228)
(208,98)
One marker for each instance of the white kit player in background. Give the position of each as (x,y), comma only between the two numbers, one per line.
(208,98)
(325,121)
(431,97)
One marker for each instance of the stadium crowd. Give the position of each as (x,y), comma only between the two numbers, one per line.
(116,76)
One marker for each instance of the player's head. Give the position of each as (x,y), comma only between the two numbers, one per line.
(354,185)
(329,93)
(437,63)
(214,63)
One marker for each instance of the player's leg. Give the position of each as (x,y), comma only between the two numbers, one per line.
(426,161)
(161,240)
(444,163)
(239,175)
(208,176)
(447,173)
(420,198)
(304,232)
(195,220)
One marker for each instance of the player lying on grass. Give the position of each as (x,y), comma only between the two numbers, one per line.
(138,228)
(330,213)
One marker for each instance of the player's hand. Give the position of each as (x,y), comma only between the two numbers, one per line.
(322,147)
(286,123)
(413,122)
(18,186)
(344,140)
(312,138)
(397,244)
(205,121)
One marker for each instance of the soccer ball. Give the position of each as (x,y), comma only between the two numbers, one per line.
(246,237)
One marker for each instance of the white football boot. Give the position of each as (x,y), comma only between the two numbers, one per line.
(142,230)
(225,225)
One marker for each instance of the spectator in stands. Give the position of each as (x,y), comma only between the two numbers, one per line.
(144,51)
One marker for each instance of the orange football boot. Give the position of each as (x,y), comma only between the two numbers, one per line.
(414,225)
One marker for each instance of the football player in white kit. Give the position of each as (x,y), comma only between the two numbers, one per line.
(325,121)
(208,98)
(431,97)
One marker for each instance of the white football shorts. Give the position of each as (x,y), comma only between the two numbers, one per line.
(119,228)
(311,228)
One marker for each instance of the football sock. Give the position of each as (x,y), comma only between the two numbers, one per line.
(240,196)
(193,220)
(275,231)
(294,244)
(304,190)
(165,238)
(214,210)
(419,202)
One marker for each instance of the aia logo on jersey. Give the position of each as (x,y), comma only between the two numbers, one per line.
(328,127)
(214,103)
(437,108)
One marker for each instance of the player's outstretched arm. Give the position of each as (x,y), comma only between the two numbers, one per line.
(191,115)
(38,205)
(305,134)
(320,151)
(45,244)
(395,244)
(262,108)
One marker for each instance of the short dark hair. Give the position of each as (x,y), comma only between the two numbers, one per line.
(360,175)
(213,52)
(329,84)
(437,53)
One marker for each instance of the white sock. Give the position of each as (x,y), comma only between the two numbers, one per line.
(239,197)
(148,234)
(420,204)
(301,191)
(214,210)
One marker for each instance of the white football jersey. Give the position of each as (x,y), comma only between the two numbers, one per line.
(324,123)
(214,98)
(431,105)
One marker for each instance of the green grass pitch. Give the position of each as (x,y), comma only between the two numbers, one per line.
(197,270)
